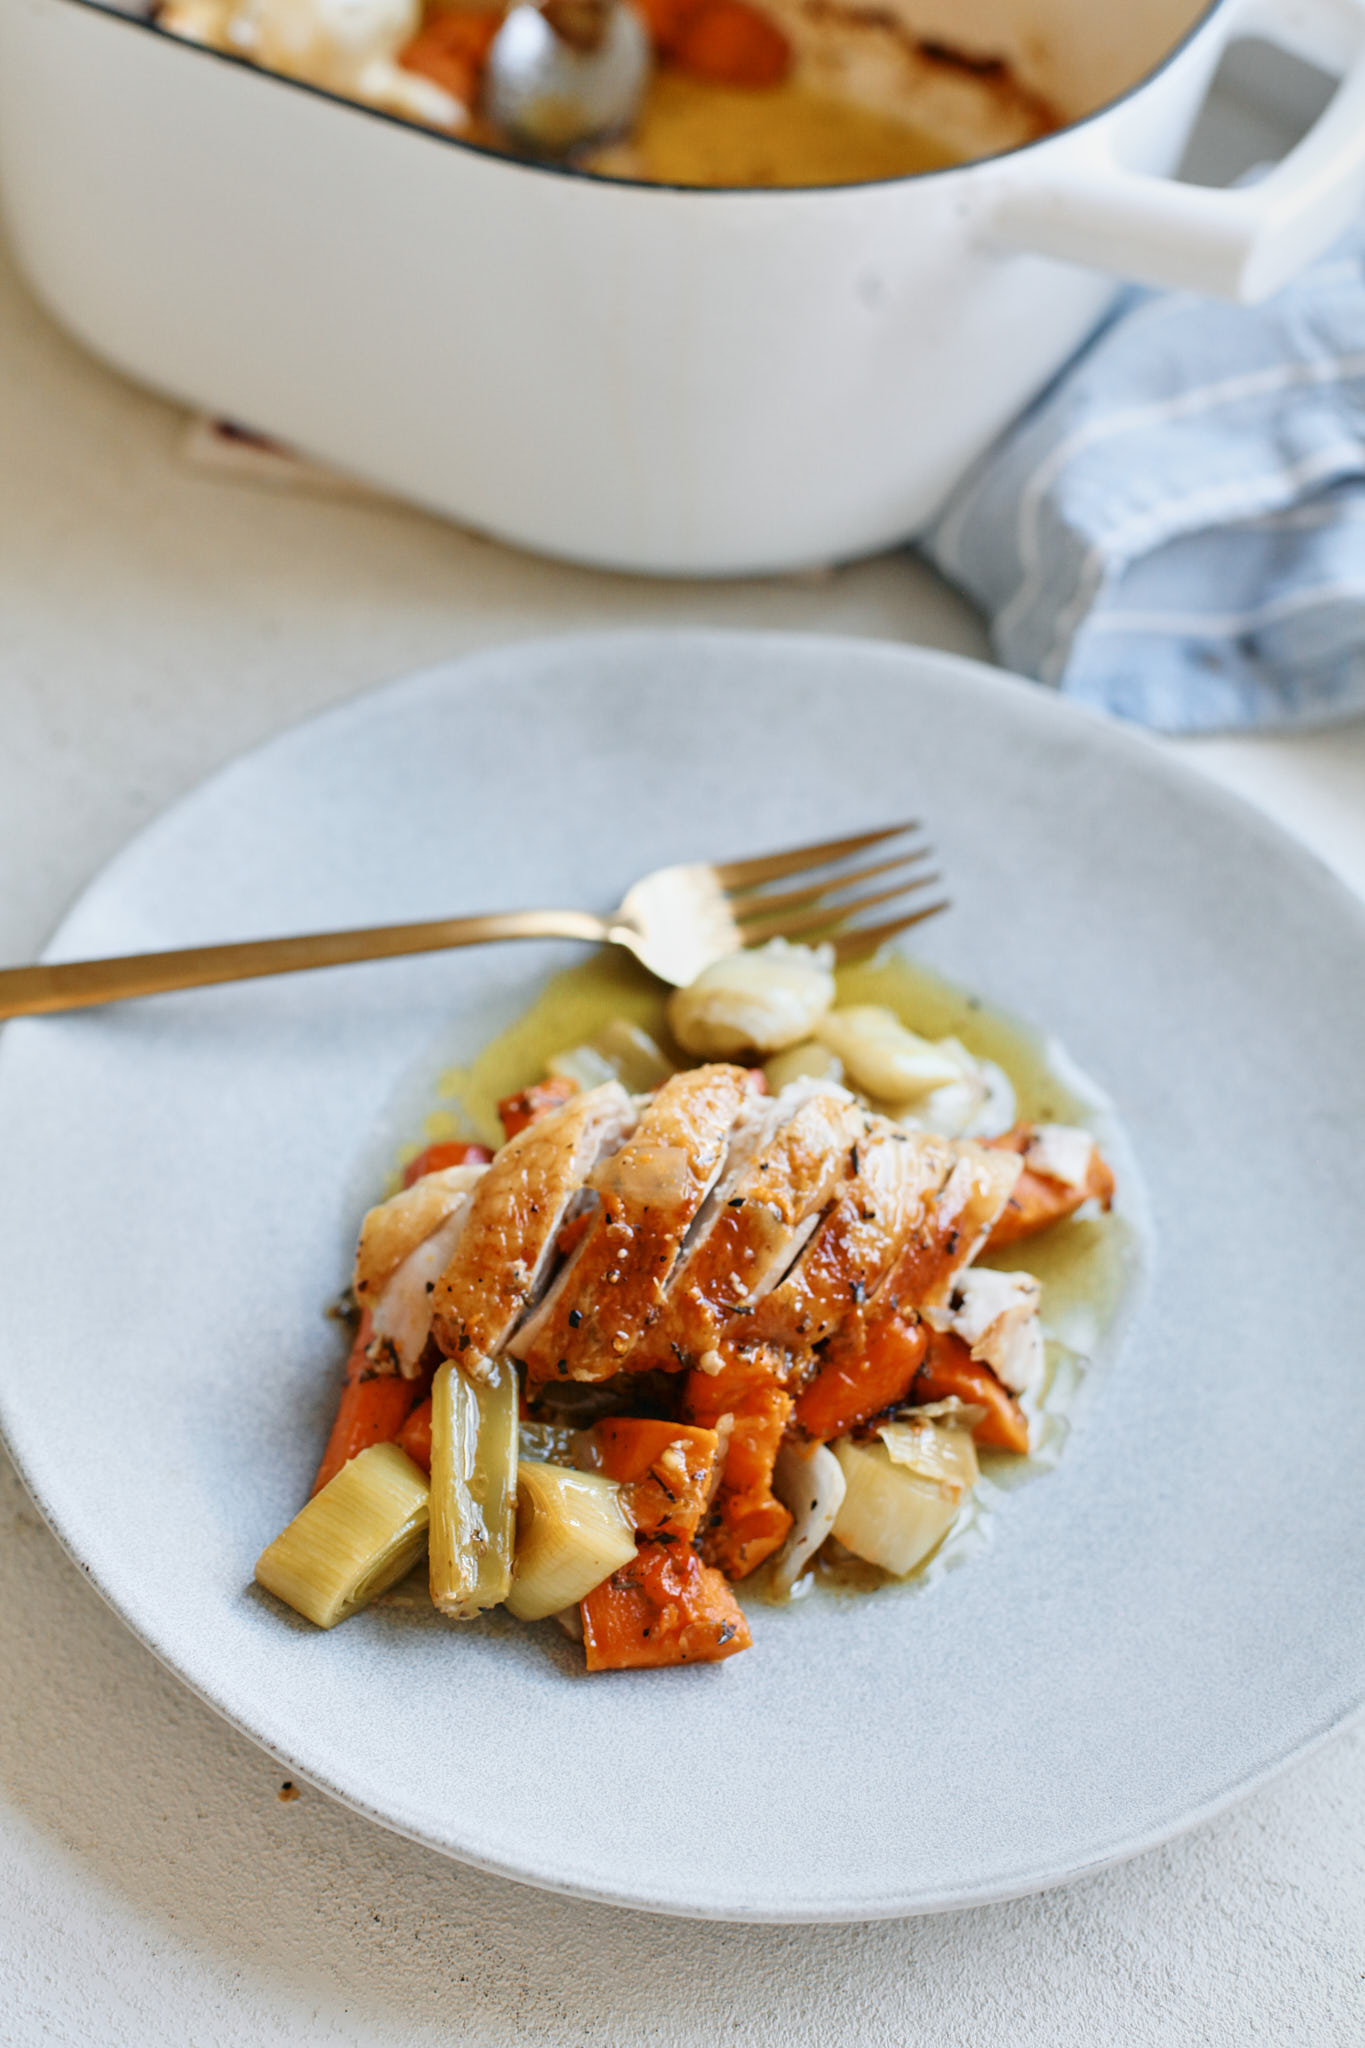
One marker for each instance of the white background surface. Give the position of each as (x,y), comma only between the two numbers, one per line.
(153,1888)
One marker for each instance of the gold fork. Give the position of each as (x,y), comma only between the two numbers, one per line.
(675,921)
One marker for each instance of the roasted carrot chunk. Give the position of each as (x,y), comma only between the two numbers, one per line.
(727,42)
(949,1369)
(667,1469)
(374,1407)
(437,1157)
(451,48)
(666,1607)
(1038,1201)
(542,1098)
(854,1386)
(415,1435)
(746,1522)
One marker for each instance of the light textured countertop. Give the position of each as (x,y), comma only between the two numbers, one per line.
(153,1887)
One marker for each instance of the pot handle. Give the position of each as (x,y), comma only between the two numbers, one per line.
(1240,244)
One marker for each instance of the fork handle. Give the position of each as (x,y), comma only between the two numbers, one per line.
(82,984)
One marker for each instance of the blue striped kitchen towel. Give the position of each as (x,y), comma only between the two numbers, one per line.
(1176,530)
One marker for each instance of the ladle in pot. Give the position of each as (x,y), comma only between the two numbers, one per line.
(567,73)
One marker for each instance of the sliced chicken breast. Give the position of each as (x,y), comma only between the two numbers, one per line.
(766,1208)
(401,1323)
(404,1246)
(955,1228)
(649,1194)
(894,1178)
(955,1225)
(507,1246)
(395,1228)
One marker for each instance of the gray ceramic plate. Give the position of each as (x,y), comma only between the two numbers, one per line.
(1173,1613)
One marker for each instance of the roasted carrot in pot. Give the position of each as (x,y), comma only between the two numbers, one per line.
(852,1386)
(436,1158)
(667,1469)
(665,1607)
(726,42)
(949,1369)
(529,1105)
(374,1407)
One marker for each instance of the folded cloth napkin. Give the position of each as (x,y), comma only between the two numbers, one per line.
(1176,530)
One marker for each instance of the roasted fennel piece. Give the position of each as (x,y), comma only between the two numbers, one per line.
(354,1539)
(903,1494)
(473,1488)
(572,1532)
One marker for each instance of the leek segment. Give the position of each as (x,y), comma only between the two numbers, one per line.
(902,1496)
(572,1532)
(352,1541)
(473,1488)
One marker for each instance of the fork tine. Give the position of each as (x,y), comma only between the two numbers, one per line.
(867,938)
(747,874)
(827,915)
(760,902)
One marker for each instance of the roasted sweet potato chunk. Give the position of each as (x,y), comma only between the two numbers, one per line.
(667,1607)
(668,1470)
(747,1522)
(854,1386)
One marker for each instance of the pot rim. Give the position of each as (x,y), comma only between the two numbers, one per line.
(114,12)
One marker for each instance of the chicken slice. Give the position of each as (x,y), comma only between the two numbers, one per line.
(393,1230)
(955,1225)
(963,1214)
(889,1193)
(508,1243)
(401,1324)
(404,1245)
(648,1194)
(769,1203)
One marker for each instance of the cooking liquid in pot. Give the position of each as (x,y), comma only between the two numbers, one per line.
(694,133)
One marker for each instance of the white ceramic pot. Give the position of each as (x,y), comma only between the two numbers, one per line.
(693,382)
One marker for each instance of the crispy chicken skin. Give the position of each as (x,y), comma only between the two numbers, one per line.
(648,1196)
(893,1179)
(508,1241)
(765,1212)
